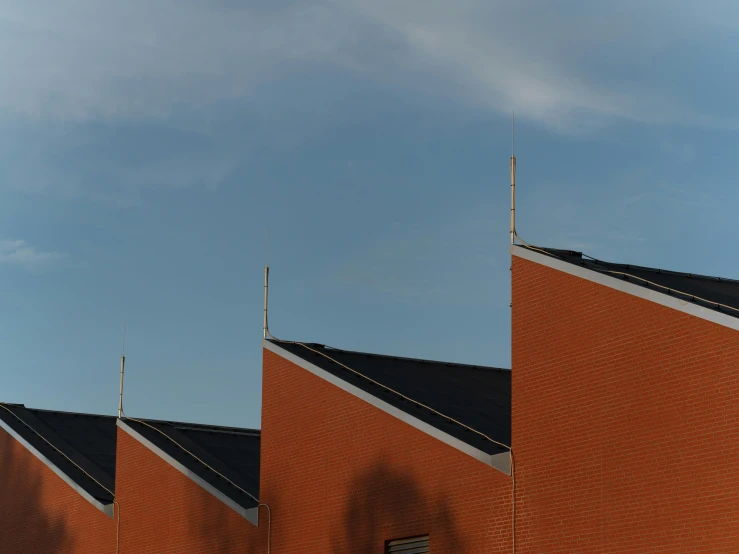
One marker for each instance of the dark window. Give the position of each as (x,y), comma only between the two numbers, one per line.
(413,545)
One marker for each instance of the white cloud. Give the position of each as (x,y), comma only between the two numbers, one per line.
(568,64)
(87,59)
(19,253)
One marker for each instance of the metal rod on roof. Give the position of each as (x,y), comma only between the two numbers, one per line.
(513,183)
(123,367)
(265,328)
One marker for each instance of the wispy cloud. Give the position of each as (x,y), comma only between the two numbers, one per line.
(21,254)
(91,60)
(572,66)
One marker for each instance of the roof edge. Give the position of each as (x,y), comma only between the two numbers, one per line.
(329,348)
(629,288)
(107,509)
(501,461)
(250,514)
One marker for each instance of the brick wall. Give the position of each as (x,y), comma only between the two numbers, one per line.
(342,476)
(625,421)
(40,513)
(164,512)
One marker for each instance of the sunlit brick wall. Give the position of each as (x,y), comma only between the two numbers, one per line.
(625,421)
(163,511)
(343,476)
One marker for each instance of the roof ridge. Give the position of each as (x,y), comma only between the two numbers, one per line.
(206,427)
(402,396)
(64,412)
(718,294)
(664,271)
(559,251)
(83,464)
(206,458)
(193,426)
(403,358)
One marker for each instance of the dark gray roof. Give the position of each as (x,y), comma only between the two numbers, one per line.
(90,442)
(709,292)
(479,397)
(231,451)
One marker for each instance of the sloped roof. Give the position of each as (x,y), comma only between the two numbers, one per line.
(82,449)
(210,450)
(81,446)
(476,396)
(716,293)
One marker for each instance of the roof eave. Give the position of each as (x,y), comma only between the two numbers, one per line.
(500,461)
(250,514)
(106,508)
(651,295)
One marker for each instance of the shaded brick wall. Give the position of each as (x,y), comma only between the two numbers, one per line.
(625,421)
(164,512)
(342,476)
(40,513)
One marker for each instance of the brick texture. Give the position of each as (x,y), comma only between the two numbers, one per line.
(165,512)
(40,513)
(343,476)
(625,420)
(162,511)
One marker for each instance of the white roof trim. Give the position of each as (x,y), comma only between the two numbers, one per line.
(629,288)
(107,509)
(501,462)
(251,514)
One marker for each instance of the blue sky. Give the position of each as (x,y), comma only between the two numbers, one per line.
(146,146)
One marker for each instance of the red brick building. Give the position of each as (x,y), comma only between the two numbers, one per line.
(625,407)
(620,413)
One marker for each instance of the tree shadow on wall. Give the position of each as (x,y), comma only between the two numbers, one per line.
(384,503)
(215,527)
(26,525)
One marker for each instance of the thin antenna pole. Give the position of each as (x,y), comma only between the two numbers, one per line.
(513,181)
(265,328)
(123,367)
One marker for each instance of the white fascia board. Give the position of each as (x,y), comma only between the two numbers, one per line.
(501,462)
(629,288)
(107,509)
(251,514)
